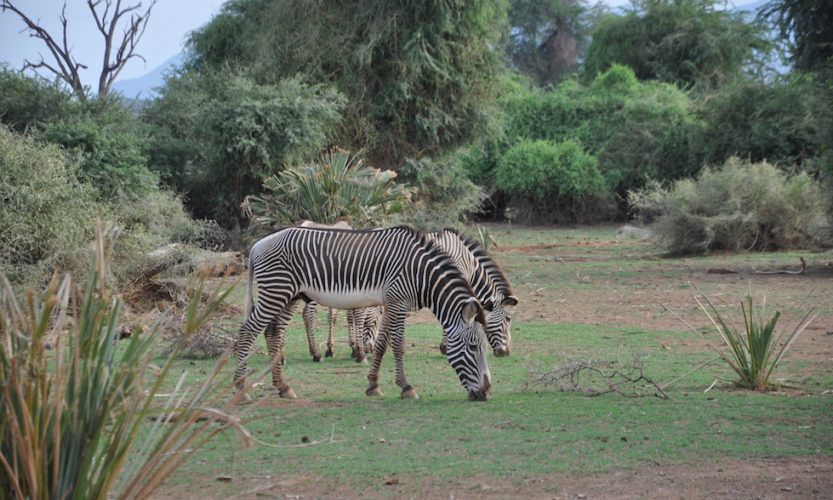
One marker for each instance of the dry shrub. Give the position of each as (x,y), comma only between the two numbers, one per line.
(741,206)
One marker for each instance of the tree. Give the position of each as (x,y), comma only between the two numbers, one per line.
(418,76)
(685,42)
(807,27)
(117,51)
(546,37)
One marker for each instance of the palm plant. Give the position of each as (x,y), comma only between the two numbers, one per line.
(73,400)
(755,351)
(335,187)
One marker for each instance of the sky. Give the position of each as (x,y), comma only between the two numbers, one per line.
(170,22)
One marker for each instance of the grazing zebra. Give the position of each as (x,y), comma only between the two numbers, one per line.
(487,281)
(356,318)
(395,267)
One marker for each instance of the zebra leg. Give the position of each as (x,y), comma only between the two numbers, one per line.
(271,331)
(397,340)
(256,322)
(275,343)
(309,317)
(359,318)
(332,316)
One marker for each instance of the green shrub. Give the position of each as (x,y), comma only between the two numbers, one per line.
(445,197)
(782,122)
(741,206)
(46,214)
(27,103)
(550,176)
(636,130)
(110,145)
(216,137)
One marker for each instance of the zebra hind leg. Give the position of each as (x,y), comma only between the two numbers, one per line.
(275,343)
(332,316)
(355,320)
(309,317)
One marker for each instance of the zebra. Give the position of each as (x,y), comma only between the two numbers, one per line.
(396,267)
(356,318)
(488,282)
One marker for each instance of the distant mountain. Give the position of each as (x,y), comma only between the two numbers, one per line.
(145,86)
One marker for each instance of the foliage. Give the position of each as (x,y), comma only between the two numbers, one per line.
(684,42)
(741,206)
(333,188)
(418,76)
(558,177)
(751,350)
(546,37)
(72,416)
(782,122)
(28,103)
(445,197)
(110,143)
(218,136)
(45,210)
(637,130)
(807,28)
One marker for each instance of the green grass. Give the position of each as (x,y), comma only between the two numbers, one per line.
(519,431)
(527,430)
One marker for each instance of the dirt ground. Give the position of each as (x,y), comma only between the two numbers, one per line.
(651,293)
(798,477)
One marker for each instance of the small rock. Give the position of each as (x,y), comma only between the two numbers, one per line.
(392,481)
(224,479)
(305,439)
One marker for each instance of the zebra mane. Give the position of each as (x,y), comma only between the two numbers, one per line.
(491,267)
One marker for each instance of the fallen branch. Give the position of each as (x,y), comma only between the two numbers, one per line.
(597,377)
(787,271)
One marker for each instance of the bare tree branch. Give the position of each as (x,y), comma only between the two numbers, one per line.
(107,20)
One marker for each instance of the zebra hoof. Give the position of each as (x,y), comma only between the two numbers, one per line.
(329,353)
(287,393)
(355,354)
(316,359)
(374,391)
(444,349)
(409,393)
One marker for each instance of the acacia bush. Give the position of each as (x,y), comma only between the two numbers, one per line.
(217,136)
(740,206)
(558,178)
(45,211)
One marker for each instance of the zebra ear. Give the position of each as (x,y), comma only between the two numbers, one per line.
(511,300)
(471,311)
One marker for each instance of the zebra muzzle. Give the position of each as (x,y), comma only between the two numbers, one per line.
(501,352)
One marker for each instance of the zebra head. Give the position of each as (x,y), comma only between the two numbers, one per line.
(498,323)
(467,351)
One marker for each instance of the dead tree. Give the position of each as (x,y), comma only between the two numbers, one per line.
(119,45)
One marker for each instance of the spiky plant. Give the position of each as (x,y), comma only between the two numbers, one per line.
(335,187)
(73,398)
(755,351)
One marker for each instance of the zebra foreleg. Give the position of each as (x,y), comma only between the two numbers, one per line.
(275,343)
(355,322)
(309,317)
(397,339)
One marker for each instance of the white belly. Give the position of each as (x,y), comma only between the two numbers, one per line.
(349,300)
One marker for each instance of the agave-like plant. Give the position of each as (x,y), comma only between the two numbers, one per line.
(73,399)
(335,187)
(755,351)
